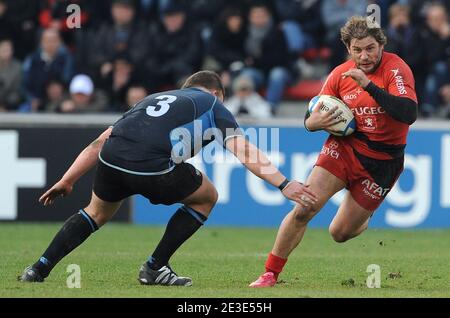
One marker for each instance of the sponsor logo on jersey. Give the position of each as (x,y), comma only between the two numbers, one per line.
(352,96)
(329,151)
(334,145)
(399,82)
(374,190)
(366,110)
(367,123)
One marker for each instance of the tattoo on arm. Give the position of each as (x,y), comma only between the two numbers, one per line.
(96,143)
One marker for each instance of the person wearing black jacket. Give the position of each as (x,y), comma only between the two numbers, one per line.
(268,61)
(176,50)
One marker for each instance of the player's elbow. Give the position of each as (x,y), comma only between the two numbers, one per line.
(410,113)
(410,120)
(413,117)
(407,114)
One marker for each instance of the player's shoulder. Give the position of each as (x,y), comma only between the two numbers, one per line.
(173,92)
(184,95)
(336,74)
(334,78)
(193,93)
(341,68)
(392,60)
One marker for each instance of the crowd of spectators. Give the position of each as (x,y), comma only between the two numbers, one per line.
(123,50)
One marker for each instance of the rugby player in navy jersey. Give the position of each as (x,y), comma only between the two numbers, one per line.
(144,153)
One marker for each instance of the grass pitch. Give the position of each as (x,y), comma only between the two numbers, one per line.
(223,261)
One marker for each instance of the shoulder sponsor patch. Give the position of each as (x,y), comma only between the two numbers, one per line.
(399,82)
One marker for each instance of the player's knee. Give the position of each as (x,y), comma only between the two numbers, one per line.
(303,215)
(211,201)
(214,197)
(339,235)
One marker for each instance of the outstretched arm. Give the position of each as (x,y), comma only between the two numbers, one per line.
(82,164)
(257,162)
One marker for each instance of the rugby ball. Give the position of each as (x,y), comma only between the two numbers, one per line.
(348,124)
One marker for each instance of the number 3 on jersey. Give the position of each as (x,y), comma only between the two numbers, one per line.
(162,106)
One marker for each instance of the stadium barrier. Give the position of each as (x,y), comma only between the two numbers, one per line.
(37,149)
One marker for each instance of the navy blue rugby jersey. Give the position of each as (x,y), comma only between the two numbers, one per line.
(165,129)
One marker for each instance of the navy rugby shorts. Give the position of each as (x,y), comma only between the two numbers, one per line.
(113,185)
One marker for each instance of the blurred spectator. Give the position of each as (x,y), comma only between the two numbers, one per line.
(50,60)
(292,19)
(6,27)
(437,32)
(53,14)
(225,50)
(403,38)
(384,10)
(268,62)
(204,13)
(55,94)
(335,14)
(118,80)
(22,14)
(83,97)
(176,50)
(444,92)
(437,41)
(135,94)
(245,101)
(164,39)
(147,10)
(99,13)
(10,77)
(125,35)
(419,9)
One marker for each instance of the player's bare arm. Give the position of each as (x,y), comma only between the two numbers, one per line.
(82,164)
(318,120)
(257,162)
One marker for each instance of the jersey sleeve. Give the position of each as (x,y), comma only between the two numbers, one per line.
(331,87)
(225,122)
(400,80)
(132,109)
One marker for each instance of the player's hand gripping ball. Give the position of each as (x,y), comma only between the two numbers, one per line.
(347,123)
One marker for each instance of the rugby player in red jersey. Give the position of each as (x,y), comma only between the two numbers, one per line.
(379,89)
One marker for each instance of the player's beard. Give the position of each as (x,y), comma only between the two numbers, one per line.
(377,63)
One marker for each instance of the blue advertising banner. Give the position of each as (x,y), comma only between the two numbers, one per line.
(420,199)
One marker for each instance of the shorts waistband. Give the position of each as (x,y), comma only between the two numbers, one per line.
(139,173)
